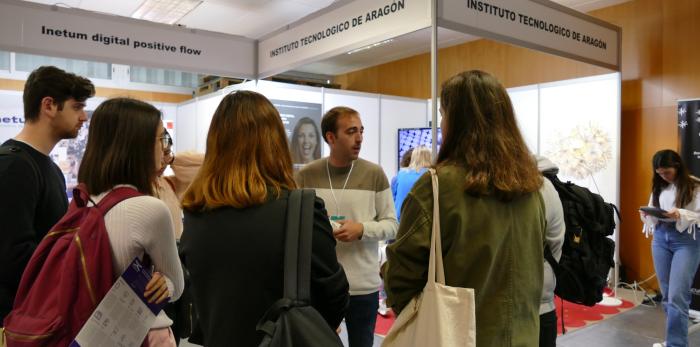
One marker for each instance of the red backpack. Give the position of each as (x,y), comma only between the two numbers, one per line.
(67,276)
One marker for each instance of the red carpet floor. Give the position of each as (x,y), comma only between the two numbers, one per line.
(575,316)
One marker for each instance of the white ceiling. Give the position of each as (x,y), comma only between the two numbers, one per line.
(257,18)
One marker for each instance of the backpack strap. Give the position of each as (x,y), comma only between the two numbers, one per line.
(81,196)
(116,196)
(297,253)
(291,245)
(17,151)
(305,244)
(550,259)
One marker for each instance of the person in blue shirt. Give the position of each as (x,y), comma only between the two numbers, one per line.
(405,160)
(420,161)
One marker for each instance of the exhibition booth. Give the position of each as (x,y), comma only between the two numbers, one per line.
(575,123)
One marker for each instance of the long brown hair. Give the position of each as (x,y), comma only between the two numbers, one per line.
(121,146)
(482,135)
(685,185)
(247,153)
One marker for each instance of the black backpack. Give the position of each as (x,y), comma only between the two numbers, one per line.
(292,321)
(587,253)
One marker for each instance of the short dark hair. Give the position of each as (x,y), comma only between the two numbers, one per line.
(57,84)
(406,158)
(128,158)
(329,122)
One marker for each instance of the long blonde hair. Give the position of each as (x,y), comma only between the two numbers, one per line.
(247,154)
(420,158)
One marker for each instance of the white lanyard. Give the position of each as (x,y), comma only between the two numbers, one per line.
(342,192)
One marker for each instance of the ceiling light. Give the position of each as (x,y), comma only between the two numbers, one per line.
(371,46)
(165,11)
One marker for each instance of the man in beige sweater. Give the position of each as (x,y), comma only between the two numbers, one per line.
(360,206)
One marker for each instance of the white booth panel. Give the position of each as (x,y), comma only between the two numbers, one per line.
(584,104)
(186,121)
(525,104)
(206,107)
(398,113)
(11,114)
(368,107)
(290,92)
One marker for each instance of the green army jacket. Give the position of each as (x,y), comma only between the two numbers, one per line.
(492,246)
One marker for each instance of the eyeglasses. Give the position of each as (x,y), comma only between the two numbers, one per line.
(165,140)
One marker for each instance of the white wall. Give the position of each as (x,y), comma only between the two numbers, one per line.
(526,105)
(398,113)
(186,121)
(194,116)
(586,101)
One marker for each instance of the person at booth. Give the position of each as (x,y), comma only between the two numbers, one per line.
(235,224)
(33,189)
(491,213)
(675,246)
(361,210)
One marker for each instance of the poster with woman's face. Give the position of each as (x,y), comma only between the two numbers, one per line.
(302,121)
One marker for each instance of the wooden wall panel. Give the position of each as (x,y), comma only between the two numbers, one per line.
(660,64)
(7,84)
(642,116)
(681,52)
(142,95)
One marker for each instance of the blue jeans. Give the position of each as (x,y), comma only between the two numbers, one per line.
(361,318)
(676,258)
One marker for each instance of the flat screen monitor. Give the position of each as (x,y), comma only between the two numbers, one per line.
(414,137)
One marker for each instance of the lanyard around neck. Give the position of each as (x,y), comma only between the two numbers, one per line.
(342,192)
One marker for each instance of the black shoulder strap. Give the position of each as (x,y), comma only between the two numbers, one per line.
(305,241)
(297,252)
(291,244)
(16,150)
(550,259)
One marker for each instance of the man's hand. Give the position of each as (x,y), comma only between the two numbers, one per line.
(349,231)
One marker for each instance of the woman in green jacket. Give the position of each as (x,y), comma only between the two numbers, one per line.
(491,215)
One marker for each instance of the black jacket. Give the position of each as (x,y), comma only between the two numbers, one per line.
(235,258)
(32,199)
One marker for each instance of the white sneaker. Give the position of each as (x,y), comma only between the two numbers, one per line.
(662,344)
(382,310)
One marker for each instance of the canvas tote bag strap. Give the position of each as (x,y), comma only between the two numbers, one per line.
(436,271)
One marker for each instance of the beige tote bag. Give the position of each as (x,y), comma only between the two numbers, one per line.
(440,316)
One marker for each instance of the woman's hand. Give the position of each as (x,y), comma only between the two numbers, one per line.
(156,289)
(673,214)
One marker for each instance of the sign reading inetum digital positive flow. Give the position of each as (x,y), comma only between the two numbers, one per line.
(40,29)
(537,24)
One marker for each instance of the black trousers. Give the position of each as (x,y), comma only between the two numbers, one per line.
(548,329)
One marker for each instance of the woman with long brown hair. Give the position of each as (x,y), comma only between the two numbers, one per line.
(141,225)
(491,215)
(233,239)
(675,247)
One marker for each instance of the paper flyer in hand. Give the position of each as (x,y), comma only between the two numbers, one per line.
(124,316)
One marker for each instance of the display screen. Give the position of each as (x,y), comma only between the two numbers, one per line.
(413,137)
